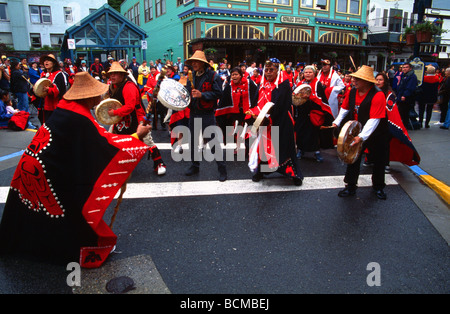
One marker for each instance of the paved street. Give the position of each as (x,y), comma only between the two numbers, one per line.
(196,235)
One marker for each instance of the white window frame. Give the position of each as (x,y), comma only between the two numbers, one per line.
(348,7)
(68,16)
(5,9)
(35,35)
(40,15)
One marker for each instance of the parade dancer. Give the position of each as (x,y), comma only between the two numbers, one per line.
(206,91)
(332,83)
(66,180)
(274,88)
(366,103)
(132,111)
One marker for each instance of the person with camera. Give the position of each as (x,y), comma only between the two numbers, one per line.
(19,86)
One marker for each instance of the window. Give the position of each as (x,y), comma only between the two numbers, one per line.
(395,20)
(189,31)
(160,7)
(40,14)
(349,6)
(7,39)
(385,17)
(3,12)
(56,40)
(405,19)
(136,14)
(35,40)
(130,14)
(148,10)
(315,4)
(281,2)
(238,31)
(68,15)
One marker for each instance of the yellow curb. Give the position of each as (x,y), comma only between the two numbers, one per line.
(439,187)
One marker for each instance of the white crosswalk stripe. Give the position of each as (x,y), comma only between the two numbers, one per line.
(203,188)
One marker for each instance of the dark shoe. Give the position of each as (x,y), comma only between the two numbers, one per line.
(318,157)
(380,194)
(427,126)
(257,177)
(443,127)
(347,192)
(298,181)
(222,175)
(192,170)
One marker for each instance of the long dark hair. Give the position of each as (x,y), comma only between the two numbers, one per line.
(236,69)
(386,88)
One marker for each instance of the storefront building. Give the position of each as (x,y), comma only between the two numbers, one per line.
(252,30)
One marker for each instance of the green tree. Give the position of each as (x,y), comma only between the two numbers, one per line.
(115,4)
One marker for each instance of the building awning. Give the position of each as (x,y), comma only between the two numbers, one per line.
(271,42)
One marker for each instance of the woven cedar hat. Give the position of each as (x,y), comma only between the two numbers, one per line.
(199,56)
(365,73)
(85,86)
(48,57)
(116,68)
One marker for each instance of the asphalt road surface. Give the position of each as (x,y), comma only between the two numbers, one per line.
(196,235)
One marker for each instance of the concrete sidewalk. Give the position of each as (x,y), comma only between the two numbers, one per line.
(433,145)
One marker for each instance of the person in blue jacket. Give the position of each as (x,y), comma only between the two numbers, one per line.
(34,72)
(406,94)
(5,116)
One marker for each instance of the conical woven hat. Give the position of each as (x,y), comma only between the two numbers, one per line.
(199,56)
(85,86)
(117,68)
(365,73)
(48,57)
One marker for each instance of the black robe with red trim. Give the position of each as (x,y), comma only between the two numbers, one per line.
(62,186)
(401,146)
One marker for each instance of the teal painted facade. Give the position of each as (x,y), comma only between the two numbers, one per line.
(256,29)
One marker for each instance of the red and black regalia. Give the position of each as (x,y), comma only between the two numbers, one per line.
(401,148)
(181,117)
(309,136)
(63,184)
(236,100)
(284,159)
(132,109)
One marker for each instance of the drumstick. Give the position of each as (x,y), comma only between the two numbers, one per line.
(28,81)
(191,78)
(326,127)
(119,200)
(351,59)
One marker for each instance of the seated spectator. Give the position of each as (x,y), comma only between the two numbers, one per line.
(8,115)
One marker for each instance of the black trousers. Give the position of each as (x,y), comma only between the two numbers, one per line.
(206,120)
(427,110)
(404,108)
(377,148)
